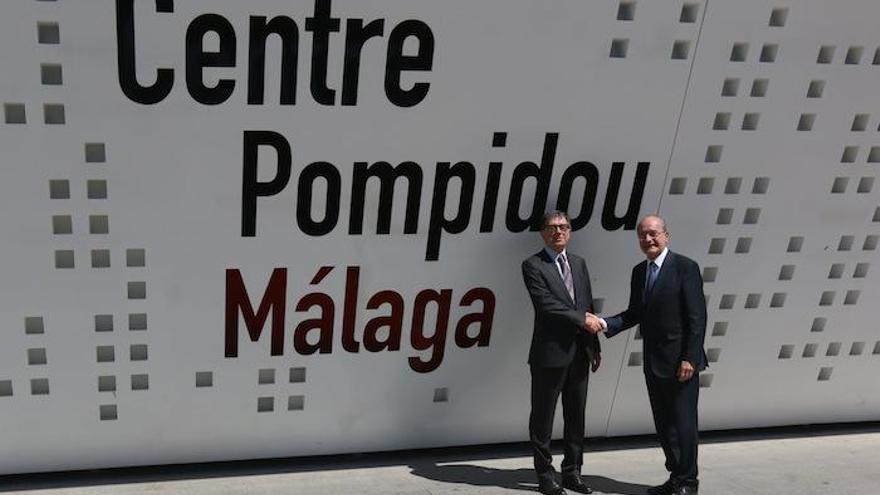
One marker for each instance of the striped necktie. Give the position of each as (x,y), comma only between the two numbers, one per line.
(566,275)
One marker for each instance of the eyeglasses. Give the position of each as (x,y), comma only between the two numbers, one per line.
(557,227)
(650,234)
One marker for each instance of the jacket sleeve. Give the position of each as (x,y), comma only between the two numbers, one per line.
(694,314)
(547,305)
(593,339)
(631,316)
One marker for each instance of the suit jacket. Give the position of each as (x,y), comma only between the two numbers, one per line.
(559,322)
(672,320)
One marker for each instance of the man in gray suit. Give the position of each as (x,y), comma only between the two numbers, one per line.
(562,352)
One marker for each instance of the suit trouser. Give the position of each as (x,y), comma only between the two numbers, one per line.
(547,384)
(674,406)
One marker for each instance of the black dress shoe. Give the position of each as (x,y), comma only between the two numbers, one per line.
(667,488)
(575,483)
(549,486)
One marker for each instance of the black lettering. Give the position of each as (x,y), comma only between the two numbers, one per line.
(438,222)
(387,176)
(356,34)
(251,187)
(321,25)
(542,176)
(286,29)
(493,182)
(396,62)
(197,59)
(125,53)
(307,179)
(590,174)
(610,220)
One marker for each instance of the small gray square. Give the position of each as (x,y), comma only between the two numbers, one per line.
(99,224)
(64,258)
(135,257)
(778,17)
(713,153)
(759,88)
(95,153)
(137,290)
(40,386)
(705,185)
(48,33)
(689,13)
(107,383)
(96,189)
(138,352)
(635,359)
(619,48)
(265,404)
(108,412)
(204,378)
(296,403)
(53,113)
(100,258)
(681,49)
(59,189)
(105,353)
(441,394)
(14,113)
(33,325)
(626,11)
(137,321)
(140,382)
(103,323)
(266,376)
(51,74)
(739,52)
(297,375)
(826,54)
(5,388)
(62,224)
(36,356)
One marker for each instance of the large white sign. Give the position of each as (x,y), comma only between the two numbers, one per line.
(276,228)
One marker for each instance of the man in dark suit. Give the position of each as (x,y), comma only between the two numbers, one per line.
(667,302)
(562,352)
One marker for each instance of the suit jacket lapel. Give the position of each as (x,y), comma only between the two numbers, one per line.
(577,278)
(641,273)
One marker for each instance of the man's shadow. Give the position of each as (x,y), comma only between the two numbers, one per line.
(514,479)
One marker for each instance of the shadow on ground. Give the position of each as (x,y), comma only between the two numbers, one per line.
(513,479)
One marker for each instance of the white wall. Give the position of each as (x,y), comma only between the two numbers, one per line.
(173,175)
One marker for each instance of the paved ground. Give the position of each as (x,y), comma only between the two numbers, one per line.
(841,459)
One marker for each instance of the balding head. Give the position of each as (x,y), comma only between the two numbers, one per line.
(653,235)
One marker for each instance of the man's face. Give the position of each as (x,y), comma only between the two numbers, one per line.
(556,233)
(652,237)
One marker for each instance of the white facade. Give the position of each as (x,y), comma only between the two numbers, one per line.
(759,122)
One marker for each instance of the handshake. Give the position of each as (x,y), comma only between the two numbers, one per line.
(594,324)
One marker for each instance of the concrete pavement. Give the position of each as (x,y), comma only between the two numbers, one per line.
(804,460)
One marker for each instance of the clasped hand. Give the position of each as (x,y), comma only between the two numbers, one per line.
(592,324)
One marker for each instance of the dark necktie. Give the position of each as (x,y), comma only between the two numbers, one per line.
(566,275)
(653,270)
